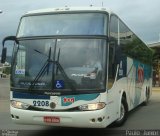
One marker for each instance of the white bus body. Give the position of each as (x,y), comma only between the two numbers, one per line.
(77,98)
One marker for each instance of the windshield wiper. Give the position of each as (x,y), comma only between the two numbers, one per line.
(42,70)
(66,78)
(45,68)
(58,60)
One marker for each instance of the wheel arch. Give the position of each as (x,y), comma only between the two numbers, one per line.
(122,99)
(123,96)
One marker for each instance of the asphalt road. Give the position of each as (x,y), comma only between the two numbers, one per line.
(142,118)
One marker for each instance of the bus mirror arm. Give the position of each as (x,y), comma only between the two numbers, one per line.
(10,38)
(4,49)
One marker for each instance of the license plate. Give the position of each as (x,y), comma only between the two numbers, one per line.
(51,119)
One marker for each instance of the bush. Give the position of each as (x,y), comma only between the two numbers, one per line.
(6,70)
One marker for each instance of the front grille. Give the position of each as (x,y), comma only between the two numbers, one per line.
(32,108)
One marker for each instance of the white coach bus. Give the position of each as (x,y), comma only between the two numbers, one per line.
(76,67)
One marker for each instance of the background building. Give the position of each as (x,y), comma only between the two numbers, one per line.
(156,63)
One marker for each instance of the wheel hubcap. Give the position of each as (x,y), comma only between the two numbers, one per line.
(122,112)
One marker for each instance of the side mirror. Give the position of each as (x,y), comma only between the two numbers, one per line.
(4,54)
(4,49)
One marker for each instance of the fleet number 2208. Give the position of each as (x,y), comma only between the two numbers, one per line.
(40,103)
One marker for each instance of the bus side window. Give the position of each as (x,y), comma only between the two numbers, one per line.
(112,47)
(111,67)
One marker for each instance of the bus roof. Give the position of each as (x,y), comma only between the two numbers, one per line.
(69,9)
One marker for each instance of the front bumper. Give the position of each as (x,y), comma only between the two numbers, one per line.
(82,119)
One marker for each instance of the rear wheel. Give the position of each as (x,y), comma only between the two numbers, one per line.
(123,113)
(147,95)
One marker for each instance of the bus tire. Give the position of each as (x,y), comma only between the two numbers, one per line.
(147,95)
(123,113)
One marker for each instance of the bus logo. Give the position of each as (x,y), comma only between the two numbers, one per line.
(68,100)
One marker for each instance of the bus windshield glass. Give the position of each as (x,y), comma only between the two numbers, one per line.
(81,60)
(63,24)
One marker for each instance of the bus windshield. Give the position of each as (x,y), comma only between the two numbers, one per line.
(82,60)
(63,24)
(54,52)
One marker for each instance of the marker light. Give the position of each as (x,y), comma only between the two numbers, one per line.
(19,105)
(93,106)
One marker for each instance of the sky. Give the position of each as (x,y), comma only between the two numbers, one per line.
(141,16)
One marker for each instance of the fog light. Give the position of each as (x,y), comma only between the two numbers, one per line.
(93,120)
(100,119)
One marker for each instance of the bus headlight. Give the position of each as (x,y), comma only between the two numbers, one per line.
(92,106)
(19,105)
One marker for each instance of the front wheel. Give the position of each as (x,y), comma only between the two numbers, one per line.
(123,113)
